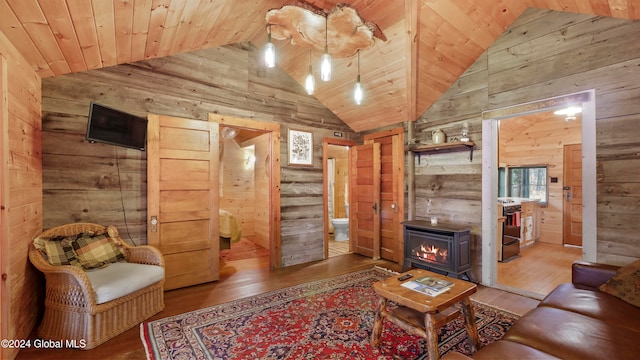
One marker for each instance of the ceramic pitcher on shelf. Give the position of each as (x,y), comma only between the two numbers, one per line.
(437,136)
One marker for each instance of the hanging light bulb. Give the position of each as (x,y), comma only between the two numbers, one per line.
(325,65)
(310,82)
(269,50)
(358,93)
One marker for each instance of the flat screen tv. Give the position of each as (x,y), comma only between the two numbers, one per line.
(111,126)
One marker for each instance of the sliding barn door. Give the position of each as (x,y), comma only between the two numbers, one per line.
(365,207)
(182,175)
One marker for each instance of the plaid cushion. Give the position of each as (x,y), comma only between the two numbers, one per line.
(60,252)
(96,251)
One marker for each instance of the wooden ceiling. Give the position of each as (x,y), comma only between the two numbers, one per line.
(429,43)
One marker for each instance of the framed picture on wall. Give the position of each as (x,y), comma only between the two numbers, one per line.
(300,148)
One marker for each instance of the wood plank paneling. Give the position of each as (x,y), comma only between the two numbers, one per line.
(503,77)
(421,47)
(221,80)
(20,195)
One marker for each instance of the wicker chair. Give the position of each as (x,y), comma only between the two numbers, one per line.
(71,311)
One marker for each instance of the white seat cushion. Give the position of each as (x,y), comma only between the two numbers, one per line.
(122,278)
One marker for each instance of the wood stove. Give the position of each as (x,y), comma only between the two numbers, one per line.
(442,248)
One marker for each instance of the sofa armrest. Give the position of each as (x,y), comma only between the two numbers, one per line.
(590,274)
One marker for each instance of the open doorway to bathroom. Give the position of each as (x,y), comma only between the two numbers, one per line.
(336,162)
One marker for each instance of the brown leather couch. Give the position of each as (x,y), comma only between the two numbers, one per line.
(575,321)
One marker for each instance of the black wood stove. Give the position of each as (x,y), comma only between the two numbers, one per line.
(442,248)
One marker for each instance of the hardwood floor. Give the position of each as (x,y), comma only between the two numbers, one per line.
(244,278)
(337,248)
(539,269)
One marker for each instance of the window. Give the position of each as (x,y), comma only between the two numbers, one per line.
(528,182)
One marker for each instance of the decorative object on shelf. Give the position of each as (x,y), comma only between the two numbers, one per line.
(434,219)
(465,131)
(300,148)
(438,137)
(338,33)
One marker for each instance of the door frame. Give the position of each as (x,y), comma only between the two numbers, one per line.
(325,186)
(275,240)
(490,120)
(5,302)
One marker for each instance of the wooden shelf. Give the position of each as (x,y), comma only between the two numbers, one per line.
(446,147)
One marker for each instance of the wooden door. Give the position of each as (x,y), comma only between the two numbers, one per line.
(365,200)
(182,197)
(391,192)
(572,209)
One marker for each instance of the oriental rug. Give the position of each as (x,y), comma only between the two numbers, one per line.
(325,319)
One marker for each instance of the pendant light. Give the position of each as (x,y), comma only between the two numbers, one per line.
(325,65)
(269,50)
(310,82)
(358,93)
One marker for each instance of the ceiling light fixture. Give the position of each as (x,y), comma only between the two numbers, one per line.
(269,50)
(310,82)
(569,113)
(325,65)
(303,26)
(228,133)
(358,93)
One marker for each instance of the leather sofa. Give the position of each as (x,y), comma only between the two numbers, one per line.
(575,321)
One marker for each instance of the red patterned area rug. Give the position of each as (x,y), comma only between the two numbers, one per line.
(326,319)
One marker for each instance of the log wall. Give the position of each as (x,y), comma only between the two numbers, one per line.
(20,195)
(106,184)
(545,54)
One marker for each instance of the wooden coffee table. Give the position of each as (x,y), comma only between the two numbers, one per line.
(422,315)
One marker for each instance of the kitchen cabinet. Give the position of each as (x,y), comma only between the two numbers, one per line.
(530,228)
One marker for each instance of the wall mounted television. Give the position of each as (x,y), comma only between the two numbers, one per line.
(111,126)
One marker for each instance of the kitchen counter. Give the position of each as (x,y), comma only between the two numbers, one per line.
(512,201)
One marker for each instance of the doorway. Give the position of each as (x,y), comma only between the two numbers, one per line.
(491,224)
(244,198)
(336,164)
(253,165)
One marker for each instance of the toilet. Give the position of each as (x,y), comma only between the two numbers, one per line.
(341,226)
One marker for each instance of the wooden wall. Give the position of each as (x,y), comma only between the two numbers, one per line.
(20,195)
(539,139)
(545,54)
(83,182)
(261,193)
(237,182)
